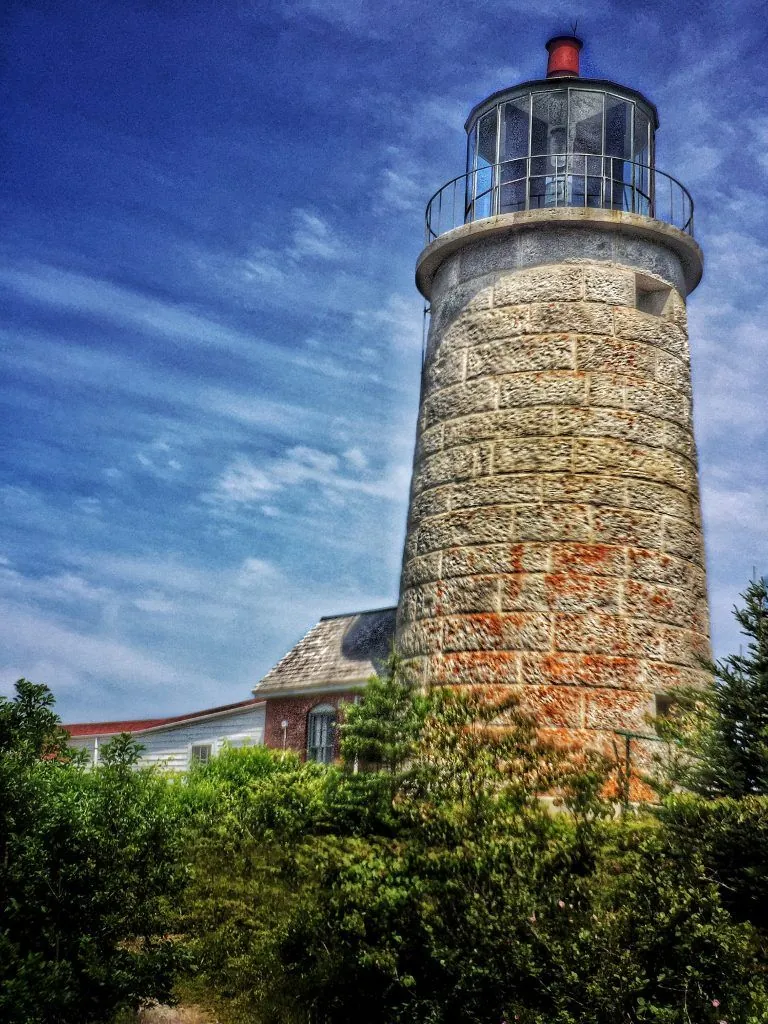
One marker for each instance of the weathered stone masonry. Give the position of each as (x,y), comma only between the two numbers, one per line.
(554,536)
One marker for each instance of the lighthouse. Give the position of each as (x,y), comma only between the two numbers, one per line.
(554,541)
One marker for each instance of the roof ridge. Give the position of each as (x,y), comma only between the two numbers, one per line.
(368,611)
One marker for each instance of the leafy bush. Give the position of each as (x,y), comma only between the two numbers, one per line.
(89,873)
(445,890)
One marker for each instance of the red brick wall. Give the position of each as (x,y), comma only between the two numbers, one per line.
(294,711)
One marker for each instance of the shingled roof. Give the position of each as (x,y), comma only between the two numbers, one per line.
(340,651)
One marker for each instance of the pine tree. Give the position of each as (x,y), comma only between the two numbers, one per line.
(722,732)
(382,729)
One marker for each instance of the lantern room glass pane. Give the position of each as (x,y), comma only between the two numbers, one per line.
(585,123)
(641,146)
(618,127)
(513,151)
(549,121)
(643,202)
(549,127)
(618,149)
(515,128)
(486,158)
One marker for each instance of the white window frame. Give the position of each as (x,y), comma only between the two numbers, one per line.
(209,744)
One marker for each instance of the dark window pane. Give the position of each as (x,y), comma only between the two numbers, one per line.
(320,736)
(515,122)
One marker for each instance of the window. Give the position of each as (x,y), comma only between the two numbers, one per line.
(321,731)
(651,296)
(201,753)
(664,704)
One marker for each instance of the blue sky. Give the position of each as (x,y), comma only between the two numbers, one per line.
(210,337)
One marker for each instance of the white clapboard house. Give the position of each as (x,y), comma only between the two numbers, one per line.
(178,742)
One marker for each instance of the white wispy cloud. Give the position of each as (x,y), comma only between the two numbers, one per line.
(313,237)
(245,483)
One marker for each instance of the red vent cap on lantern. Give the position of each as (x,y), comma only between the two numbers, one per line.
(563,57)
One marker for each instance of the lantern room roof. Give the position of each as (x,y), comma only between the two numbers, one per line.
(553,84)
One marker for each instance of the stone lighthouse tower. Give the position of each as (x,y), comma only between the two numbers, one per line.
(554,536)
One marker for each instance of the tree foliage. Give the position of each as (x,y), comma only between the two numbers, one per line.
(719,735)
(89,871)
(444,890)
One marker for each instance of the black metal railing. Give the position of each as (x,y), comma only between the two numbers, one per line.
(564,179)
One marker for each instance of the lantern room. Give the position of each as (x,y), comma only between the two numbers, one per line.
(561,141)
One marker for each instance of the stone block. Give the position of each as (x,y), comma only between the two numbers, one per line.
(445,467)
(419,602)
(652,497)
(655,566)
(520,355)
(574,592)
(545,388)
(606,390)
(615,423)
(676,310)
(683,539)
(429,441)
(627,526)
(617,709)
(685,647)
(662,678)
(607,456)
(420,638)
(460,400)
(583,489)
(472,329)
(606,284)
(489,255)
(653,330)
(433,502)
(673,372)
(433,534)
(466,594)
(497,425)
(679,439)
(422,569)
(540,284)
(614,635)
(577,317)
(588,559)
(614,356)
(482,525)
(553,707)
(486,668)
(446,367)
(506,490)
(657,399)
(449,302)
(495,558)
(411,545)
(656,601)
(583,670)
(524,592)
(532,455)
(551,523)
(512,631)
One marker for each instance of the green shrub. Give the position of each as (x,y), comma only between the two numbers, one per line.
(89,874)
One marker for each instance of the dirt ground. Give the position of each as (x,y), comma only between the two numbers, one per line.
(175,1015)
